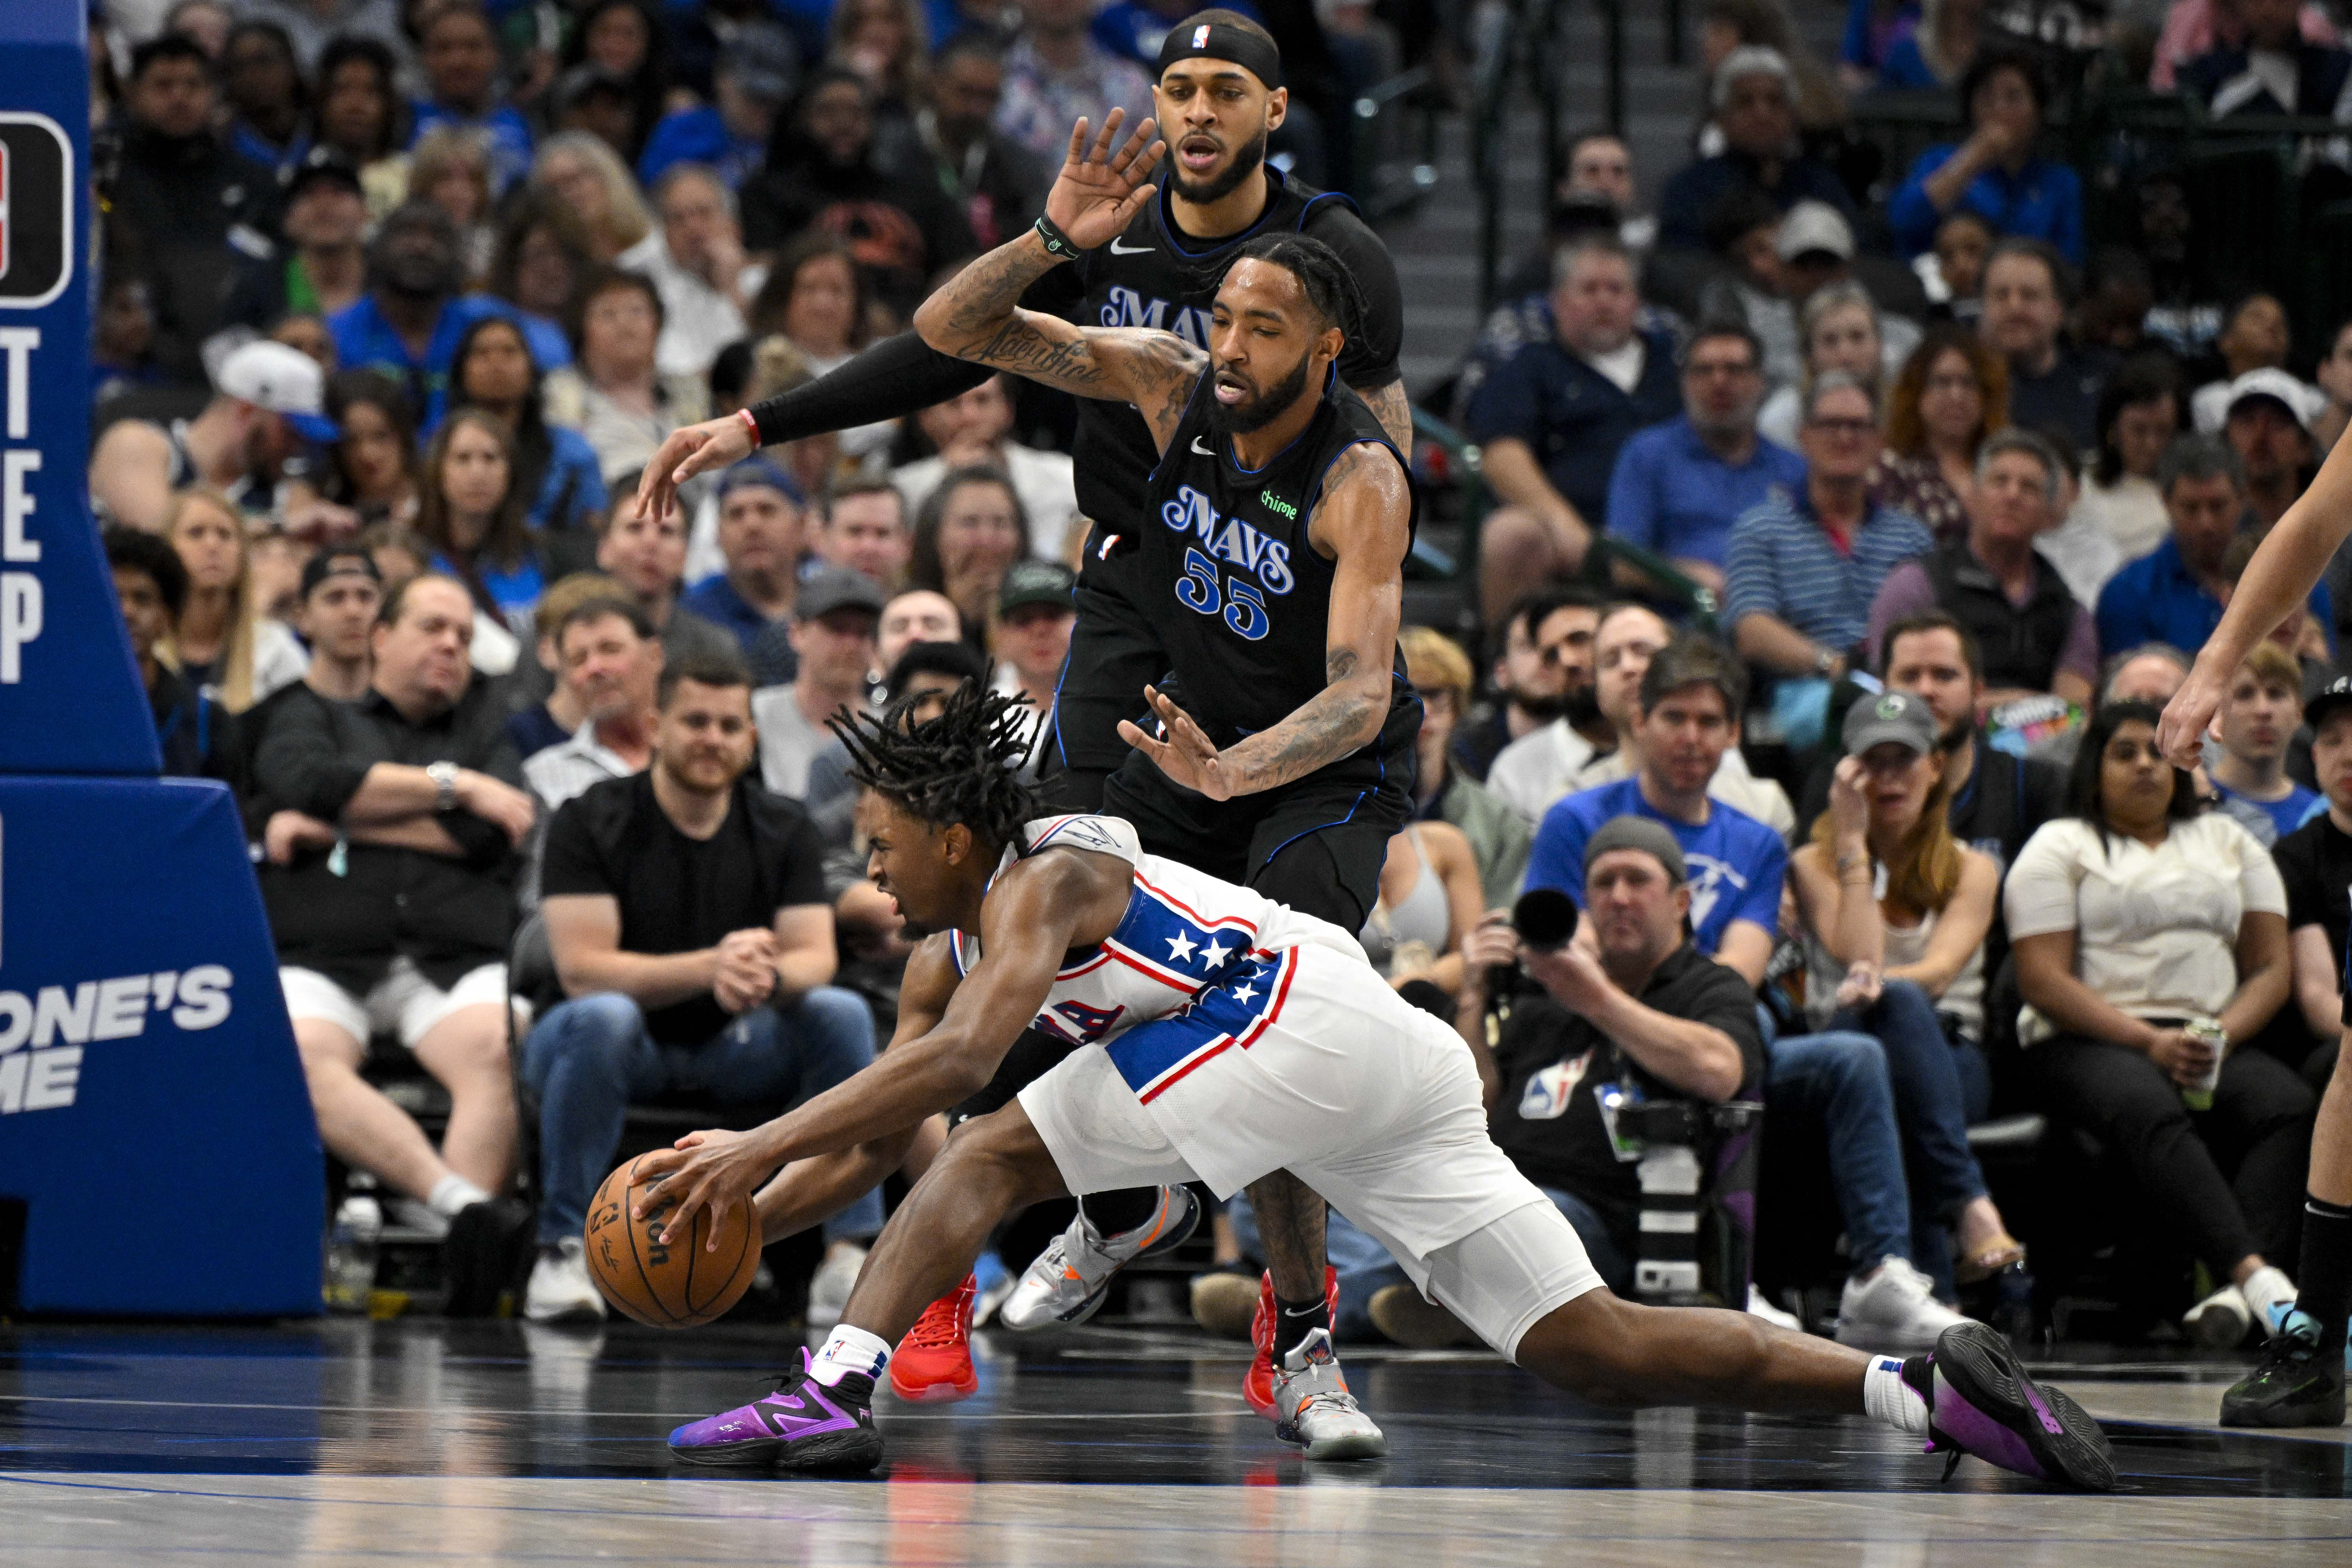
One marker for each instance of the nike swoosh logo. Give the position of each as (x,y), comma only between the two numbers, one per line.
(1203,451)
(1119,249)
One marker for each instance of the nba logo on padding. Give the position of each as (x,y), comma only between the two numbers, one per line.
(35,211)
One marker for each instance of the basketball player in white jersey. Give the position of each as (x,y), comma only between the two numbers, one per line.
(1226,1036)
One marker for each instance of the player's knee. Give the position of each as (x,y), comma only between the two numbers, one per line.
(1000,1151)
(1587,1347)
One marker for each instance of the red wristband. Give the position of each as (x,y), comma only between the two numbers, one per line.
(751,424)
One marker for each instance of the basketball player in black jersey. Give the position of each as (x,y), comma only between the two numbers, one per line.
(1219,93)
(1277,518)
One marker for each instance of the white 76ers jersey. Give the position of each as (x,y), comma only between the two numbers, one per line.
(1183,933)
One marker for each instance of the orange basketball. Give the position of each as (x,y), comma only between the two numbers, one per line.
(675,1287)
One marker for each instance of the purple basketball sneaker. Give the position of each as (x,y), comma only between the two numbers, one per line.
(802,1426)
(1980,1402)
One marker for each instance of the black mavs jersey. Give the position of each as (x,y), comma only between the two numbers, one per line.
(1154,276)
(1248,627)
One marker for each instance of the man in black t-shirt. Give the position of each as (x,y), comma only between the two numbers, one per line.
(685,911)
(2316,862)
(1653,1019)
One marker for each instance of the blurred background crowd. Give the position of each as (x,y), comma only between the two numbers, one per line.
(1846,490)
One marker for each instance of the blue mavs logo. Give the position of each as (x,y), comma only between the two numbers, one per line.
(1229,539)
(1126,308)
(1204,589)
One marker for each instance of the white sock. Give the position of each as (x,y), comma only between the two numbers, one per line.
(1887,1399)
(452,1193)
(848,1350)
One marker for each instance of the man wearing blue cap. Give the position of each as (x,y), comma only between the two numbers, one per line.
(762,535)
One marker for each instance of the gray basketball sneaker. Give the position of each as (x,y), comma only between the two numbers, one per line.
(1066,1283)
(1313,1408)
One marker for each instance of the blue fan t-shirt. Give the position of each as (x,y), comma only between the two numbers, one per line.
(1736,863)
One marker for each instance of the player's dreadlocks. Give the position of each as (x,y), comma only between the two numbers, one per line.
(1329,286)
(959,767)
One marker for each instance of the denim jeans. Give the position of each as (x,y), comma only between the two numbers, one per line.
(1366,1268)
(590,1058)
(1841,1078)
(1938,1088)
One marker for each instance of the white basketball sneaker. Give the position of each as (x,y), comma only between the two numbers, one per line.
(1313,1408)
(1892,1308)
(1066,1283)
(560,1290)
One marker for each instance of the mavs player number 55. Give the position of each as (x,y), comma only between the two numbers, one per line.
(1288,513)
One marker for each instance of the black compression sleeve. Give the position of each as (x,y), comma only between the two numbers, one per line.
(896,377)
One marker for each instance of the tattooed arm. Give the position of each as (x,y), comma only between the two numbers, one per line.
(975,318)
(1392,409)
(1362,523)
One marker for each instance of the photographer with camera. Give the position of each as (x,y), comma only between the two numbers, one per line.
(1645,1016)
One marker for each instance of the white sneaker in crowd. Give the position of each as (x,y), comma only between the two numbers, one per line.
(1759,1305)
(2221,1321)
(829,1287)
(1892,1308)
(560,1290)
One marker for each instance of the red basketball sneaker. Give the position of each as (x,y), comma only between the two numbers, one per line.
(933,1363)
(1257,1387)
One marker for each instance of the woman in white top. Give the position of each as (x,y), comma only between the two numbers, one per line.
(1895,913)
(1429,899)
(2138,914)
(2140,414)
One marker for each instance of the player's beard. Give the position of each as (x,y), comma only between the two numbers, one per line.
(1241,419)
(1217,187)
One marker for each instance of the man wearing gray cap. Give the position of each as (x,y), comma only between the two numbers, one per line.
(834,615)
(1647,1007)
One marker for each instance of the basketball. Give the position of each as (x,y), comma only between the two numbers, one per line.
(675,1287)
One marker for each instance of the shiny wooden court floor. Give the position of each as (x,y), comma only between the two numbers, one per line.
(439,1443)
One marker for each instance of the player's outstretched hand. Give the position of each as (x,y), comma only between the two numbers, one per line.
(1099,191)
(702,1170)
(1186,755)
(2180,733)
(696,449)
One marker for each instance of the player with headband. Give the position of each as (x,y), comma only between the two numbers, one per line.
(1219,93)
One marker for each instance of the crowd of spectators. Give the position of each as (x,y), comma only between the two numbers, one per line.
(1843,536)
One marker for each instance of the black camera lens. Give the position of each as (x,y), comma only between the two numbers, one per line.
(1545,918)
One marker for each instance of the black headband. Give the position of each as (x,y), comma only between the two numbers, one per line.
(1221,41)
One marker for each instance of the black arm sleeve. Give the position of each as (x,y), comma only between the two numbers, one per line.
(901,375)
(896,377)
